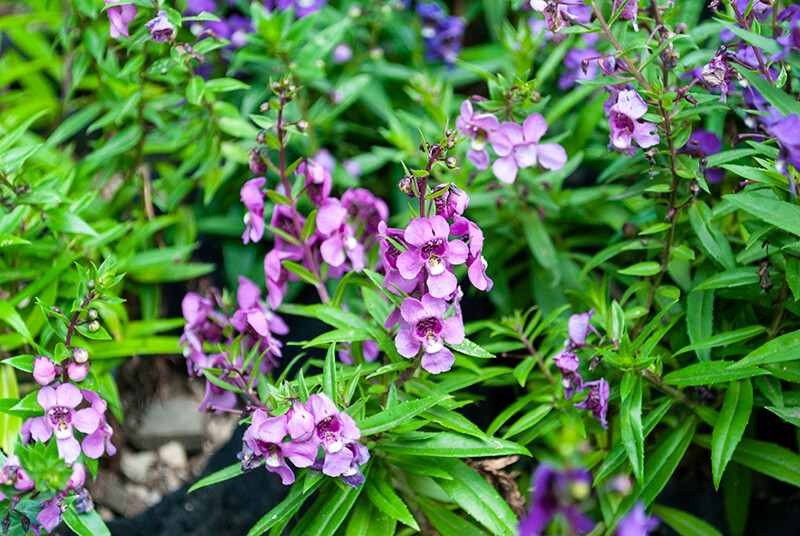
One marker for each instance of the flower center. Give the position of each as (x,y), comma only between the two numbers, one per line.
(61,420)
(328,431)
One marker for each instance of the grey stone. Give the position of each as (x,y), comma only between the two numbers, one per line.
(137,465)
(167,420)
(173,455)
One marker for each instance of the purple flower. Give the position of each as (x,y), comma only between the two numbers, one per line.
(624,122)
(333,430)
(119,17)
(792,39)
(318,181)
(477,127)
(389,254)
(253,199)
(427,329)
(475,261)
(203,323)
(519,147)
(574,61)
(277,276)
(453,202)
(429,247)
(637,522)
(629,8)
(352,476)
(717,74)
(59,418)
(195,7)
(364,207)
(352,167)
(13,474)
(579,327)
(216,398)
(597,400)
(255,314)
(342,53)
(568,363)
(338,237)
(44,370)
(50,516)
(77,371)
(302,8)
(701,144)
(300,422)
(161,29)
(265,436)
(787,132)
(553,495)
(557,16)
(282,219)
(256,161)
(99,441)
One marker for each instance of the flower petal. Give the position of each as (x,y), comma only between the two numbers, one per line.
(438,362)
(407,346)
(552,156)
(505,169)
(534,127)
(453,330)
(86,420)
(68,395)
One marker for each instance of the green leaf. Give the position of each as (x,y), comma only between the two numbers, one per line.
(397,415)
(683,523)
(10,316)
(724,339)
(11,240)
(781,214)
(710,372)
(730,426)
(660,466)
(540,244)
(700,319)
(21,362)
(711,239)
(339,335)
(738,277)
(790,414)
(382,495)
(445,521)
(647,268)
(285,509)
(448,444)
(467,347)
(478,498)
(631,423)
(329,372)
(779,99)
(232,471)
(366,520)
(335,508)
(301,272)
(793,276)
(123,141)
(194,90)
(767,458)
(737,491)
(88,524)
(221,85)
(783,348)
(528,420)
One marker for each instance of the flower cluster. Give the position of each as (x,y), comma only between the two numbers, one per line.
(309,427)
(253,320)
(442,33)
(516,146)
(626,124)
(558,15)
(419,262)
(568,362)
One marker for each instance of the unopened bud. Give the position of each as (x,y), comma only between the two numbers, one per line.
(80,355)
(92,314)
(302,125)
(264,107)
(93,326)
(406,186)
(261,137)
(77,372)
(90,284)
(26,523)
(6,524)
(451,162)
(436,150)
(354,12)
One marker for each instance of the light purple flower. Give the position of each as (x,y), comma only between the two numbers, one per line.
(552,495)
(253,199)
(161,29)
(786,131)
(302,8)
(318,181)
(701,144)
(277,276)
(393,281)
(429,247)
(352,167)
(628,10)
(265,436)
(333,429)
(99,441)
(574,61)
(195,7)
(596,400)
(624,122)
(518,147)
(579,327)
(428,330)
(342,53)
(338,237)
(44,370)
(300,422)
(50,515)
(13,474)
(475,261)
(477,127)
(119,17)
(568,363)
(352,476)
(59,418)
(255,314)
(637,522)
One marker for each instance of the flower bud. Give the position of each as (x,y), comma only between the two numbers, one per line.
(90,284)
(256,161)
(406,186)
(92,314)
(302,125)
(451,162)
(264,107)
(44,370)
(93,326)
(354,12)
(261,137)
(300,422)
(80,355)
(77,371)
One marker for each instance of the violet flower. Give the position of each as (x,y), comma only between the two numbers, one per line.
(342,53)
(59,418)
(637,522)
(333,430)
(302,8)
(13,474)
(786,131)
(578,327)
(216,398)
(477,127)
(50,516)
(792,39)
(253,199)
(195,7)
(701,144)
(300,422)
(265,436)
(475,261)
(629,9)
(429,247)
(451,203)
(44,370)
(624,121)
(393,281)
(596,400)
(352,476)
(99,441)
(717,74)
(119,17)
(427,329)
(277,276)
(362,206)
(568,363)
(255,314)
(519,148)
(574,62)
(553,495)
(161,29)
(338,237)
(318,181)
